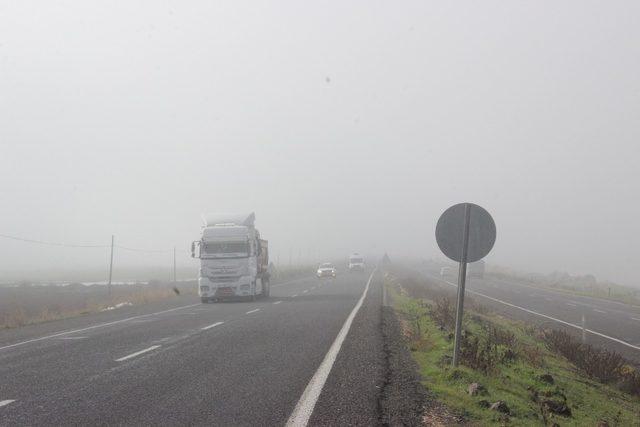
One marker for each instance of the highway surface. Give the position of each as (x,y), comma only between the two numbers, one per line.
(310,354)
(609,324)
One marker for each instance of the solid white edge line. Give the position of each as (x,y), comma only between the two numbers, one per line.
(600,334)
(137,353)
(304,408)
(6,402)
(211,326)
(252,311)
(100,325)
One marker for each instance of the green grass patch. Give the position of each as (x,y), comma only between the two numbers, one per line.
(515,380)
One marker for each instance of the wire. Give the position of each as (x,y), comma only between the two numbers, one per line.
(140,250)
(41,242)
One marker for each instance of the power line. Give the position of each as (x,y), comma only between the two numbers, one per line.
(67,245)
(142,250)
(41,242)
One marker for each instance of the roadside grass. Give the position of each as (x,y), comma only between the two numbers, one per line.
(515,376)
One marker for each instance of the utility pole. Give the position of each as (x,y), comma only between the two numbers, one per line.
(174,265)
(110,266)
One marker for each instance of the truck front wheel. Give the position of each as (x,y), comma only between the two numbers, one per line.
(204,300)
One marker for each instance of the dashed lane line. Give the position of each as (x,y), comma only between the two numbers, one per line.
(211,326)
(277,302)
(137,353)
(252,311)
(6,402)
(100,325)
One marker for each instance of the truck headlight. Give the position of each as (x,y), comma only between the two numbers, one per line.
(204,288)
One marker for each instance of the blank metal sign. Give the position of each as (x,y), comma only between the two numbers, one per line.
(450,230)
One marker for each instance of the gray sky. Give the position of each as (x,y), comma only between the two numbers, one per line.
(343,126)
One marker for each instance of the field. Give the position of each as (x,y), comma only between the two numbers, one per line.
(511,366)
(26,302)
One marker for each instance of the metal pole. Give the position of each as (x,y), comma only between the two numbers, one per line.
(110,266)
(462,273)
(174,264)
(584,329)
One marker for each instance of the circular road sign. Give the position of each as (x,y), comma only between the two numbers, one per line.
(450,232)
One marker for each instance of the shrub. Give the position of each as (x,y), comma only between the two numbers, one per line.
(443,313)
(603,365)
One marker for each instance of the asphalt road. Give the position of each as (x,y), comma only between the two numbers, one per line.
(608,324)
(182,362)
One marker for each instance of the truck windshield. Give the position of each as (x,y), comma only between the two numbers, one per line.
(226,248)
(356,260)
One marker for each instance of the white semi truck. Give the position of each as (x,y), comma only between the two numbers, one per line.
(234,259)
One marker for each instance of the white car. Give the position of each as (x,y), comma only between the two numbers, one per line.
(326,270)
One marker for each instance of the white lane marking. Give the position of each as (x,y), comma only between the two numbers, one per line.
(635,318)
(304,408)
(305,291)
(72,338)
(313,287)
(212,326)
(294,295)
(252,311)
(277,302)
(572,305)
(599,311)
(100,325)
(138,353)
(591,331)
(6,402)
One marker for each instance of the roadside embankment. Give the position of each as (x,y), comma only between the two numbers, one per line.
(511,373)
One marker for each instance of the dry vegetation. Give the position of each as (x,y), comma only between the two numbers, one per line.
(28,304)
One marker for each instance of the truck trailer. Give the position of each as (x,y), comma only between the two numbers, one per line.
(234,260)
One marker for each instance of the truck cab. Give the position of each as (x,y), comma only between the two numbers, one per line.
(233,259)
(356,262)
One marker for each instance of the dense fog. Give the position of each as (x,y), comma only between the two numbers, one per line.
(345,127)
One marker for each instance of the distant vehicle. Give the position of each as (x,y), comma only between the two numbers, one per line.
(234,260)
(446,271)
(476,269)
(356,262)
(326,270)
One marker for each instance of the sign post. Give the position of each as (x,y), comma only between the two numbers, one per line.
(465,233)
